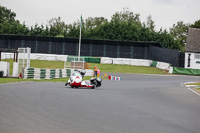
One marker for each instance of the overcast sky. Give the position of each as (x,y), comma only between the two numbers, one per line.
(164,13)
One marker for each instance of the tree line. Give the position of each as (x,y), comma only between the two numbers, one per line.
(124,25)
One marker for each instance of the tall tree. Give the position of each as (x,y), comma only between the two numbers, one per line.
(6,15)
(8,24)
(180,31)
(196,24)
(57,27)
(150,23)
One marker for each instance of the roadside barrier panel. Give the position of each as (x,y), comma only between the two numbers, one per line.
(106,60)
(163,65)
(49,57)
(5,67)
(140,62)
(121,61)
(170,70)
(145,62)
(135,62)
(185,71)
(117,61)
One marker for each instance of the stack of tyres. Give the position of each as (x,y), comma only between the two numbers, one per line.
(30,73)
(42,73)
(52,73)
(68,72)
(60,73)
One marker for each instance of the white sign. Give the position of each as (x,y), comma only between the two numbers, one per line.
(197,56)
(192,60)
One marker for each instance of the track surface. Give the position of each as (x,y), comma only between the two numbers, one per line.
(136,104)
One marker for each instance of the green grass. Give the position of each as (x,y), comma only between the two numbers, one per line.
(105,68)
(47,64)
(198,83)
(110,68)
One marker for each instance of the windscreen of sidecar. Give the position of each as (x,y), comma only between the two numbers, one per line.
(76,74)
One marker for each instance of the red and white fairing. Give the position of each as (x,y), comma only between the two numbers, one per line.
(76,81)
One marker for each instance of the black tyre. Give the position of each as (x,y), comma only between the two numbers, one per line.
(93,87)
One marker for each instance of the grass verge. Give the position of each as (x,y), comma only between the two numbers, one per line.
(111,68)
(105,68)
(196,88)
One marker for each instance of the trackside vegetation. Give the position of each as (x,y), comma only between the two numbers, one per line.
(104,68)
(124,25)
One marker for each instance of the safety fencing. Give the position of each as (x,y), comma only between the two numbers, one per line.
(184,71)
(37,73)
(95,48)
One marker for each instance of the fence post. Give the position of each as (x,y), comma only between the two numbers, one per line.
(36,46)
(50,47)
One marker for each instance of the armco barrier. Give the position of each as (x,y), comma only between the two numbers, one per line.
(126,61)
(53,57)
(135,62)
(121,61)
(37,73)
(106,60)
(163,65)
(185,71)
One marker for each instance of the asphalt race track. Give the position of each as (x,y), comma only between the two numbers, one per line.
(136,104)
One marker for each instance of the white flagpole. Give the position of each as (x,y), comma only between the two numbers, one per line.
(79,52)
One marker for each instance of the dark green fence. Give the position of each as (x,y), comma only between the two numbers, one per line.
(95,48)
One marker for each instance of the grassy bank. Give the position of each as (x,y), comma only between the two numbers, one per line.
(110,68)
(105,68)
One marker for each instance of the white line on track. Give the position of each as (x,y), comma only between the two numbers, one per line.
(190,89)
(193,91)
(182,84)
